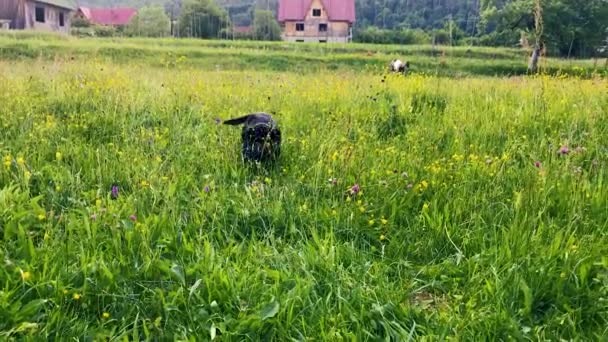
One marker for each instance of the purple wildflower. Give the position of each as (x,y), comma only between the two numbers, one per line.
(537,164)
(114,191)
(133,218)
(206,189)
(355,189)
(564,150)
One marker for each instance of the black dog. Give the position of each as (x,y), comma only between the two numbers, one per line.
(261,137)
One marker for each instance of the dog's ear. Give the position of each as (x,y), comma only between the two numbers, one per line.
(237,121)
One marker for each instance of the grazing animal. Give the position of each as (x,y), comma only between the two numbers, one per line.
(398,66)
(261,137)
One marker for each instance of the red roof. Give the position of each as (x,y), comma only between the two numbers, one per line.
(337,10)
(108,16)
(243,29)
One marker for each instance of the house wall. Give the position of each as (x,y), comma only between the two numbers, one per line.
(51,17)
(13,10)
(337,31)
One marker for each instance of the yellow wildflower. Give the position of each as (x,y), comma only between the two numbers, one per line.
(58,156)
(76,296)
(105,315)
(21,161)
(26,276)
(144,183)
(384,221)
(371,222)
(382,237)
(41,217)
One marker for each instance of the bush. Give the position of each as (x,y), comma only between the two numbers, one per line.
(378,36)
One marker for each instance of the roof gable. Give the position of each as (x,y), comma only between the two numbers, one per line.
(337,10)
(109,16)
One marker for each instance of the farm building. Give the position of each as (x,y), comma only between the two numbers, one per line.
(317,20)
(118,16)
(44,15)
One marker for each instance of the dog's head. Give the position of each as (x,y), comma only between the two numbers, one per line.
(261,136)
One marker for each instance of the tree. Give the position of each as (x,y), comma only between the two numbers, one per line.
(150,21)
(202,19)
(538,36)
(265,26)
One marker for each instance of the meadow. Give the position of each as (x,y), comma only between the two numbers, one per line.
(403,208)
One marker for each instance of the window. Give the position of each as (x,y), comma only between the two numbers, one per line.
(322,27)
(316,12)
(300,40)
(323,41)
(299,26)
(61,19)
(40,14)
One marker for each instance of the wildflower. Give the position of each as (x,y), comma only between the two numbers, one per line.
(41,217)
(564,150)
(114,193)
(165,178)
(133,218)
(105,315)
(362,209)
(384,221)
(20,161)
(267,180)
(537,164)
(355,189)
(25,276)
(7,161)
(57,188)
(425,206)
(98,203)
(206,189)
(382,237)
(144,183)
(27,175)
(76,296)
(371,222)
(333,181)
(58,156)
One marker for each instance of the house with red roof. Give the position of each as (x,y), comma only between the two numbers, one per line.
(317,20)
(115,16)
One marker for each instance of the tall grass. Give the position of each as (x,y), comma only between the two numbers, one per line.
(482,211)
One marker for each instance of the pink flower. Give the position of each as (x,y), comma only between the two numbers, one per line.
(355,189)
(564,150)
(537,164)
(133,218)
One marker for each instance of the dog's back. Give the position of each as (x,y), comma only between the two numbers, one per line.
(261,136)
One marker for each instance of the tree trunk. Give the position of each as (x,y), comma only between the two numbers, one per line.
(533,66)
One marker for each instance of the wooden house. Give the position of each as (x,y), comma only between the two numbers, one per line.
(317,20)
(44,15)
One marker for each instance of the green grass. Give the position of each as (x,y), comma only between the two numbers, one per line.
(455,233)
(280,56)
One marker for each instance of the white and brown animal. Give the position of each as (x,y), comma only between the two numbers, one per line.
(398,66)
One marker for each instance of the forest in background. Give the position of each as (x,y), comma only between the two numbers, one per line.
(571,27)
